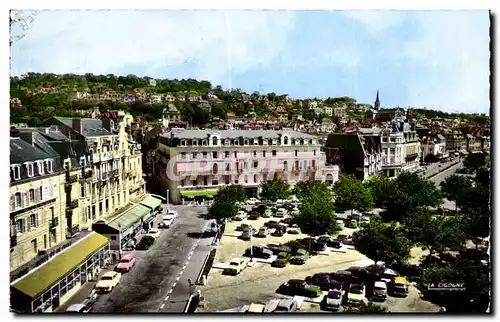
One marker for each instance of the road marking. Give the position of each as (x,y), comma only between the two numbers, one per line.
(184,267)
(166,299)
(178,277)
(173,285)
(161,307)
(191,253)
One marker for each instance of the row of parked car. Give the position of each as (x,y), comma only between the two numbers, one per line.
(352,286)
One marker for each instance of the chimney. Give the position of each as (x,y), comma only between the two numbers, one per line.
(77,125)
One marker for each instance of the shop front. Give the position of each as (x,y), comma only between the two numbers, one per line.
(123,229)
(198,196)
(154,204)
(53,283)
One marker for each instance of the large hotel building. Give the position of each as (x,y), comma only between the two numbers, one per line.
(195,163)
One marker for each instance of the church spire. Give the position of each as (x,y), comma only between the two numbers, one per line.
(377,102)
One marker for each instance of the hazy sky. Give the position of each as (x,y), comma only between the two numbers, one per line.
(436,59)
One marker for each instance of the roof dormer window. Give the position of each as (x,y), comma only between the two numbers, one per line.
(30,171)
(50,168)
(226,142)
(194,142)
(39,166)
(245,142)
(183,142)
(82,161)
(236,142)
(204,142)
(16,171)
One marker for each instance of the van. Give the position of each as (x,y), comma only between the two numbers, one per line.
(400,286)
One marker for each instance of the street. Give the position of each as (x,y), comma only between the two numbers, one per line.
(437,179)
(159,269)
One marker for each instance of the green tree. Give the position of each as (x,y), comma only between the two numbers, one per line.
(369,308)
(303,189)
(233,193)
(454,185)
(474,161)
(350,193)
(380,188)
(222,210)
(275,189)
(409,191)
(383,242)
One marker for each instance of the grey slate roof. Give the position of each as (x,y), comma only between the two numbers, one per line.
(21,151)
(232,134)
(91,127)
(370,131)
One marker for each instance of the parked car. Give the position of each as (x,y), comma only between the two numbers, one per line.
(268,213)
(288,221)
(155,233)
(346,240)
(299,287)
(171,213)
(252,201)
(379,290)
(343,276)
(263,232)
(108,282)
(295,211)
(329,241)
(90,300)
(126,263)
(279,248)
(145,243)
(324,281)
(77,308)
(244,227)
(241,215)
(365,220)
(246,235)
(259,251)
(356,294)
(341,224)
(235,266)
(287,305)
(333,300)
(278,232)
(282,260)
(280,213)
(168,220)
(300,257)
(253,215)
(316,245)
(400,286)
(294,230)
(272,224)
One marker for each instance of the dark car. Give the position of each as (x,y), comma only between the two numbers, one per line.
(145,243)
(259,251)
(324,281)
(278,248)
(278,232)
(346,240)
(315,245)
(253,215)
(330,241)
(300,288)
(288,221)
(282,260)
(342,276)
(246,235)
(272,224)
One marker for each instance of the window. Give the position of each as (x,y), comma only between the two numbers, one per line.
(236,142)
(30,169)
(297,165)
(183,155)
(214,140)
(314,152)
(195,155)
(314,164)
(204,142)
(39,165)
(235,154)
(205,181)
(296,152)
(228,167)
(113,237)
(270,141)
(255,164)
(285,140)
(20,226)
(285,165)
(34,246)
(88,212)
(204,155)
(17,199)
(195,182)
(274,153)
(254,153)
(255,178)
(246,142)
(214,155)
(49,166)
(264,153)
(194,142)
(215,182)
(393,140)
(183,142)
(16,172)
(246,178)
(31,195)
(226,142)
(226,154)
(33,221)
(182,183)
(82,190)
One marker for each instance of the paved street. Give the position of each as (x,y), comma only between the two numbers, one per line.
(446,173)
(146,286)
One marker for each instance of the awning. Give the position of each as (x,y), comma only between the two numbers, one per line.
(199,193)
(129,218)
(40,280)
(151,202)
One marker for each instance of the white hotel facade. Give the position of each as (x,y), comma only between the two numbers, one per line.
(195,163)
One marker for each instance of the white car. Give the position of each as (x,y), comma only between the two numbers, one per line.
(172,213)
(241,215)
(334,299)
(168,220)
(295,211)
(252,201)
(294,230)
(281,212)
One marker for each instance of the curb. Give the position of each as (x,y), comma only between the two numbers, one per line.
(186,308)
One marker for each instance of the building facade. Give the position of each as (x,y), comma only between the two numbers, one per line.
(455,142)
(195,163)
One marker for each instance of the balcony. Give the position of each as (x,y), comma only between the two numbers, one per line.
(102,157)
(53,223)
(74,204)
(105,175)
(71,179)
(115,173)
(86,175)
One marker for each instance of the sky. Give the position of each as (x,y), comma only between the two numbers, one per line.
(433,59)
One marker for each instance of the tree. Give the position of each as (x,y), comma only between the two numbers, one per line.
(382,242)
(222,210)
(483,178)
(380,188)
(435,233)
(316,216)
(366,308)
(474,161)
(307,188)
(453,186)
(232,193)
(350,193)
(407,192)
(275,189)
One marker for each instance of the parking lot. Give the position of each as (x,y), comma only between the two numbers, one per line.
(259,282)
